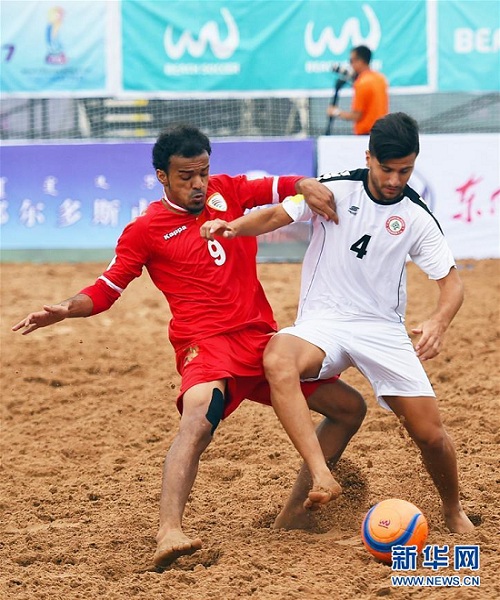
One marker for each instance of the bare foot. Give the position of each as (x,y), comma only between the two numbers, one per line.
(320,495)
(172,545)
(458,521)
(298,518)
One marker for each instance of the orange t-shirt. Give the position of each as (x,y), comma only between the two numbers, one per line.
(371,99)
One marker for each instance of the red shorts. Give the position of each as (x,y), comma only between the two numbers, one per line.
(237,358)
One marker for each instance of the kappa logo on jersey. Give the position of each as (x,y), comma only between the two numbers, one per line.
(353,210)
(175,232)
(217,202)
(395,225)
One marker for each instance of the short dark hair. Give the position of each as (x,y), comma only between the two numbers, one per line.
(364,53)
(394,136)
(181,140)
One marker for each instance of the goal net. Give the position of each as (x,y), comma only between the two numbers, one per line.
(135,118)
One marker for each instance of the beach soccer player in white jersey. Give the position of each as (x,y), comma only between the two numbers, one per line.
(352,305)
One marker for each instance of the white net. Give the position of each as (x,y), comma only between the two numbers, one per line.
(135,118)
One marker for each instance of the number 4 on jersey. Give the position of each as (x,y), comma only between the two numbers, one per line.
(359,247)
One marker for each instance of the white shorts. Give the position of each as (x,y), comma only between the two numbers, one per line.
(381,351)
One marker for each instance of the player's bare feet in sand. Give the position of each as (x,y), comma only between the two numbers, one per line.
(322,494)
(458,521)
(296,518)
(173,545)
(296,514)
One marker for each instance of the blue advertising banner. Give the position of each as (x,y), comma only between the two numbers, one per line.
(52,46)
(267,45)
(88,205)
(469,45)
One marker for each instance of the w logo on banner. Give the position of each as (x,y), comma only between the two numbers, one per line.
(350,36)
(209,35)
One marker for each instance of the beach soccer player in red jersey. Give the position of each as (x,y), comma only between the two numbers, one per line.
(221,320)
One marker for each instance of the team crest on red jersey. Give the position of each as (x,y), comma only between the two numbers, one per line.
(217,202)
(395,225)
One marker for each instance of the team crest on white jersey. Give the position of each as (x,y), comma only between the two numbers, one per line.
(217,202)
(395,225)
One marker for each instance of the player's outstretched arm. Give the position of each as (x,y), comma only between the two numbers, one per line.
(254,223)
(318,197)
(77,306)
(451,296)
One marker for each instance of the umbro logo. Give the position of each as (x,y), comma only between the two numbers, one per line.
(353,210)
(175,232)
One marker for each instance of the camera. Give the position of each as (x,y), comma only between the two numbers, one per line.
(344,72)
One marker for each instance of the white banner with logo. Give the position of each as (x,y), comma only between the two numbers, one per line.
(457,175)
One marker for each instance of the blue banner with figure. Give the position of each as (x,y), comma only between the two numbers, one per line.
(53,46)
(469,45)
(267,45)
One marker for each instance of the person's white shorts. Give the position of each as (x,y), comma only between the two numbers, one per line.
(381,351)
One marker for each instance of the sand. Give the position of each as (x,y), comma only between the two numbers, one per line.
(88,414)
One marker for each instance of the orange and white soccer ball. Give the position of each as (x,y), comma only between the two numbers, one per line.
(393,522)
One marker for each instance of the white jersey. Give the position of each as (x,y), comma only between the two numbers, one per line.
(356,269)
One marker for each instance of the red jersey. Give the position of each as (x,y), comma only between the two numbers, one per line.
(211,286)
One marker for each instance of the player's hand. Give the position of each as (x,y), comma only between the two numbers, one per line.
(48,316)
(431,339)
(319,198)
(210,229)
(333,111)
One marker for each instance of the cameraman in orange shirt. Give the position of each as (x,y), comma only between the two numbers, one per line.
(371,97)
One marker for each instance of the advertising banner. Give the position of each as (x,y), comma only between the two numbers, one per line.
(267,45)
(458,177)
(469,45)
(52,46)
(210,47)
(82,196)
